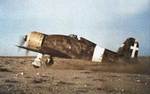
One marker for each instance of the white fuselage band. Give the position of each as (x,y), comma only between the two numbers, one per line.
(98,54)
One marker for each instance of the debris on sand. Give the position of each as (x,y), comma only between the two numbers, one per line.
(5,69)
(11,81)
(66,78)
(20,74)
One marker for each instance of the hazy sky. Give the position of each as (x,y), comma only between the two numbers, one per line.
(106,22)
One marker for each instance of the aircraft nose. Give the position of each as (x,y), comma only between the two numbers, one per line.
(22,41)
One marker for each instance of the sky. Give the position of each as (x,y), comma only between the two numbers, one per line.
(105,22)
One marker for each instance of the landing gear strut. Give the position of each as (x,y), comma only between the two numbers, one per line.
(41,59)
(37,61)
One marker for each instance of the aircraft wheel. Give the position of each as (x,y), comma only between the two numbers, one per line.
(50,60)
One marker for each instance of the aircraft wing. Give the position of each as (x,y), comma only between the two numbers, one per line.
(23,47)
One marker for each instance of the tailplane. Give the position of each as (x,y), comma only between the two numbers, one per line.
(129,49)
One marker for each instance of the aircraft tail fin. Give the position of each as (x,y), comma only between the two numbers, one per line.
(129,49)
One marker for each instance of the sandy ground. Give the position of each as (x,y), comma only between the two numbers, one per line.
(18,76)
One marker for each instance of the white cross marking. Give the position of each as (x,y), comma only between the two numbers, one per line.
(134,48)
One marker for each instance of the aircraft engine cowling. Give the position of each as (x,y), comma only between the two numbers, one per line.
(34,40)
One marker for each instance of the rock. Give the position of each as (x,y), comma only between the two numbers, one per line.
(18,74)
(22,73)
(138,81)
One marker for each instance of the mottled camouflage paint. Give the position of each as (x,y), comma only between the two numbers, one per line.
(67,47)
(72,47)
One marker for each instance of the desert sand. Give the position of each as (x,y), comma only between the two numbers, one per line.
(18,76)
